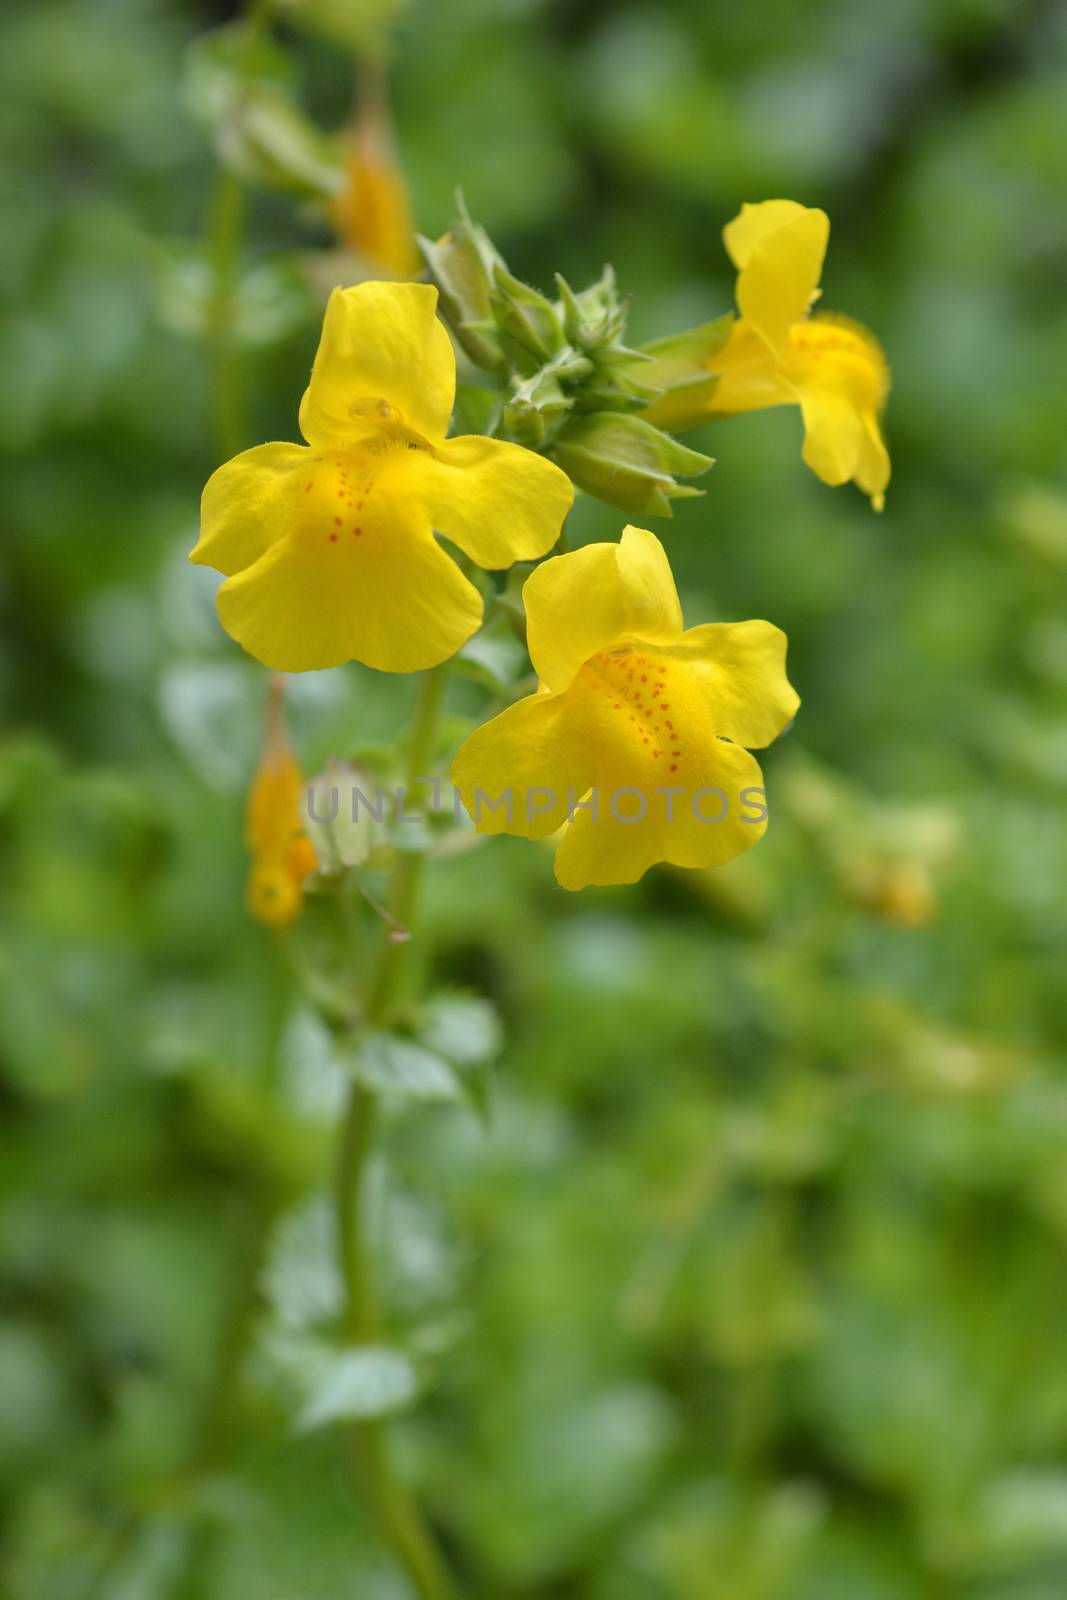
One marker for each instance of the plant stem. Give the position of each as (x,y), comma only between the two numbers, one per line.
(396,1513)
(225,234)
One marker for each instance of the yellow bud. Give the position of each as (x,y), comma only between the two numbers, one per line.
(372,214)
(282,853)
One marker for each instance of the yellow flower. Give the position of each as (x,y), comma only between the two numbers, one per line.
(635,742)
(282,854)
(779,354)
(328,549)
(372,214)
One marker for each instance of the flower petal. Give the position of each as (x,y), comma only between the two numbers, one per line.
(872,468)
(833,434)
(244,506)
(780,255)
(839,373)
(719,812)
(583,602)
(748,377)
(740,670)
(754,223)
(498,502)
(380,342)
(380,591)
(518,772)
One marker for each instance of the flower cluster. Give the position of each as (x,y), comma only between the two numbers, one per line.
(330,550)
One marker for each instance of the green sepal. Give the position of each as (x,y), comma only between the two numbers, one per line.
(461,263)
(525,316)
(678,367)
(626,461)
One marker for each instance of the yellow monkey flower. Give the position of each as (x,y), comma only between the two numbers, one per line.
(635,743)
(282,853)
(328,549)
(778,353)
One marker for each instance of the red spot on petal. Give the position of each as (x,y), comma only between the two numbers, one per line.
(338,521)
(309,486)
(357,532)
(665,705)
(674,769)
(333,538)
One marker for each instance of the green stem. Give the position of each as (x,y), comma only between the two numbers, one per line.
(226,232)
(227,222)
(396,1513)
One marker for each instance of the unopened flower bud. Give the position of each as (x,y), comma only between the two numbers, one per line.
(626,461)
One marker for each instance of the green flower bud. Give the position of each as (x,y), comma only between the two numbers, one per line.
(237,85)
(626,461)
(534,411)
(526,317)
(461,264)
(594,317)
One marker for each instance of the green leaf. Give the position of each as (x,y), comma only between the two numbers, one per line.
(463,1027)
(466,1030)
(269,300)
(396,1065)
(361,1382)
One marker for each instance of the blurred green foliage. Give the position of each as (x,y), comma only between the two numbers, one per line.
(754,1285)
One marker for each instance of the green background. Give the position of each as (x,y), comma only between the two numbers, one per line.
(755,1285)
